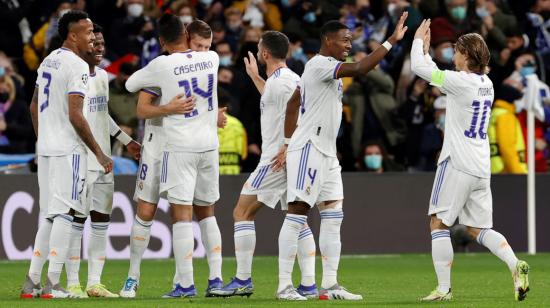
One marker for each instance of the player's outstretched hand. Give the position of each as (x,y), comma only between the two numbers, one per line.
(105,161)
(251,65)
(279,160)
(423,30)
(180,104)
(222,118)
(427,39)
(400,29)
(135,149)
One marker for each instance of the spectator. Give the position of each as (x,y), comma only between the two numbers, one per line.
(457,19)
(11,14)
(431,140)
(233,143)
(185,12)
(122,104)
(218,34)
(234,27)
(16,131)
(495,23)
(376,159)
(226,82)
(226,55)
(260,14)
(442,41)
(296,59)
(505,135)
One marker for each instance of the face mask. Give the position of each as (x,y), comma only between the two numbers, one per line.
(527,70)
(186,19)
(206,2)
(225,60)
(373,162)
(482,12)
(297,53)
(4,96)
(61,13)
(285,3)
(458,13)
(391,8)
(447,53)
(135,9)
(234,26)
(310,17)
(2,71)
(440,123)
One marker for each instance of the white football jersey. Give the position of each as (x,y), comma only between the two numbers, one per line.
(469,100)
(60,74)
(191,73)
(321,106)
(96,111)
(278,89)
(153,134)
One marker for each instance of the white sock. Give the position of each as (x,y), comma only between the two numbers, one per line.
(442,256)
(72,264)
(96,252)
(498,245)
(245,243)
(288,247)
(212,241)
(40,250)
(59,245)
(183,243)
(330,245)
(139,240)
(306,256)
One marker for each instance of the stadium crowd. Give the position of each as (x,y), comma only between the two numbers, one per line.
(393,121)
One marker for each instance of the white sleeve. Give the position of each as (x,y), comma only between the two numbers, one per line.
(78,80)
(423,66)
(327,68)
(116,132)
(143,78)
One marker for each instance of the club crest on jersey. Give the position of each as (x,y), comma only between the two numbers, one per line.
(85,79)
(189,56)
(140,185)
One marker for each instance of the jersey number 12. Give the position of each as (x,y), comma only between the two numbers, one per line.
(474,131)
(194,88)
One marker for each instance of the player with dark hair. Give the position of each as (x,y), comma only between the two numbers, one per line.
(63,134)
(312,166)
(264,186)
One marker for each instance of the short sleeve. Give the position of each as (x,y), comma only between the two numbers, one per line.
(155,91)
(78,80)
(145,77)
(326,68)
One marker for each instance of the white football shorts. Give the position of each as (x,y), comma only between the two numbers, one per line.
(100,189)
(268,186)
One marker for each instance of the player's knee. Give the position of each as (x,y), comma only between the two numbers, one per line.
(146,211)
(202,212)
(335,205)
(99,217)
(298,208)
(182,213)
(473,232)
(79,220)
(437,224)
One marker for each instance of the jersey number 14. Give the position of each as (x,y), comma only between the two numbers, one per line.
(473,132)
(193,87)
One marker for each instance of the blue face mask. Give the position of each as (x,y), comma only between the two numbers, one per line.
(373,162)
(458,13)
(2,71)
(440,122)
(527,70)
(298,53)
(225,60)
(310,17)
(447,53)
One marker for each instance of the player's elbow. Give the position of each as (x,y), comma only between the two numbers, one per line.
(140,113)
(75,117)
(33,108)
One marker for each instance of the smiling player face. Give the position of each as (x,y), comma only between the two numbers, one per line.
(339,44)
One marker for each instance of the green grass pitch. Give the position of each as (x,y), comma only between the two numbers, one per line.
(479,280)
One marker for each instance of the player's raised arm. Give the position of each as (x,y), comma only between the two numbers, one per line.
(252,70)
(34,110)
(370,62)
(147,109)
(421,62)
(78,121)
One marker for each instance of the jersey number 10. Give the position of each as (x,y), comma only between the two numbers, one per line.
(194,86)
(473,131)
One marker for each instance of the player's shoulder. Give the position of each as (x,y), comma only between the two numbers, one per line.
(101,73)
(284,76)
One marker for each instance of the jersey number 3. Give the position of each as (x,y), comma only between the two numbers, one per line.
(194,86)
(48,78)
(474,131)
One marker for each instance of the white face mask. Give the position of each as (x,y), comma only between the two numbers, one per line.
(186,19)
(63,12)
(135,9)
(391,8)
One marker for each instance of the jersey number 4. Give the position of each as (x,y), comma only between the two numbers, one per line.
(474,131)
(48,78)
(193,87)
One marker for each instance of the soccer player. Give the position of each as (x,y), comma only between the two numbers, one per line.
(99,186)
(313,170)
(63,133)
(190,168)
(147,185)
(264,186)
(462,183)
